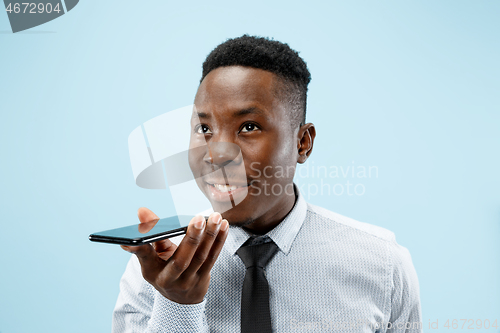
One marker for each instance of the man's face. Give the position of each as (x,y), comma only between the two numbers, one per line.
(237,110)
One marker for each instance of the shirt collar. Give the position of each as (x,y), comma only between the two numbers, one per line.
(283,234)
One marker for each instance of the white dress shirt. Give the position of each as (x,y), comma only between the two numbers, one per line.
(331,274)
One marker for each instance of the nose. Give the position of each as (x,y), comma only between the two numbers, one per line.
(223,153)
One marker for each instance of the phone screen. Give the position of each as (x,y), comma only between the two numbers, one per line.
(143,233)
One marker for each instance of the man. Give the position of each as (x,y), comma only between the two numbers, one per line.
(325,272)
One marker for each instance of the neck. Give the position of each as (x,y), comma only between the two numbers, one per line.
(268,222)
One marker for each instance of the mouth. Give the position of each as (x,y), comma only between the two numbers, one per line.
(227,193)
(225,187)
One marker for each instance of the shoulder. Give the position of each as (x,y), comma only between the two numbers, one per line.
(319,214)
(364,240)
(360,237)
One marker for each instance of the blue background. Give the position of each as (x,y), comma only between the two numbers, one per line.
(411,87)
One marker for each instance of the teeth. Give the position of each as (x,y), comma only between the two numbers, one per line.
(225,188)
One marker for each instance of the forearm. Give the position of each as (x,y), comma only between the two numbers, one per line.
(168,316)
(140,308)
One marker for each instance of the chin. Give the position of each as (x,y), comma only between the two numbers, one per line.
(238,217)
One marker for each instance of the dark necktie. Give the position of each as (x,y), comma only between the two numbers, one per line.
(255,311)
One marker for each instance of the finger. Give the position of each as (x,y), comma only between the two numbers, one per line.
(215,250)
(209,236)
(181,259)
(146,215)
(165,248)
(163,245)
(151,264)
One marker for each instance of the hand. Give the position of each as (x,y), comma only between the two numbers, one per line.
(182,273)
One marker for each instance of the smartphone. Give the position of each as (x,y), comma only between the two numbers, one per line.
(144,233)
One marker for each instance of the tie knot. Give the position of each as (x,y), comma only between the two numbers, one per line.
(258,254)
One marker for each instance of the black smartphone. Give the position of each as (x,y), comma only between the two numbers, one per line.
(143,233)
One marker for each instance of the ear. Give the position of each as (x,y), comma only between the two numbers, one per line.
(305,141)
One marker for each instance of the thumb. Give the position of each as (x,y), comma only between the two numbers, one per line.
(151,264)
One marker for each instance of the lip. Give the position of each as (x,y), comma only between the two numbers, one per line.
(229,182)
(233,196)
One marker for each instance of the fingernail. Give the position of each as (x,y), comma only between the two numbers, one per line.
(224,226)
(200,223)
(217,218)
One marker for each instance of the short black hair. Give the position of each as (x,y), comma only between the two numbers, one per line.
(270,55)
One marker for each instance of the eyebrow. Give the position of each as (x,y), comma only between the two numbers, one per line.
(239,113)
(252,110)
(203,115)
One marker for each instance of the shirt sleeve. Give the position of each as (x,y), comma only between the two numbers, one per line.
(405,296)
(141,308)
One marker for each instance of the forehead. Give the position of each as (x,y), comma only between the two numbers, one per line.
(236,87)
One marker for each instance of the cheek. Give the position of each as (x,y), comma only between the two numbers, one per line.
(195,159)
(282,153)
(271,162)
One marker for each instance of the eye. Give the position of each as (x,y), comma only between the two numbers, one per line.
(203,129)
(249,128)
